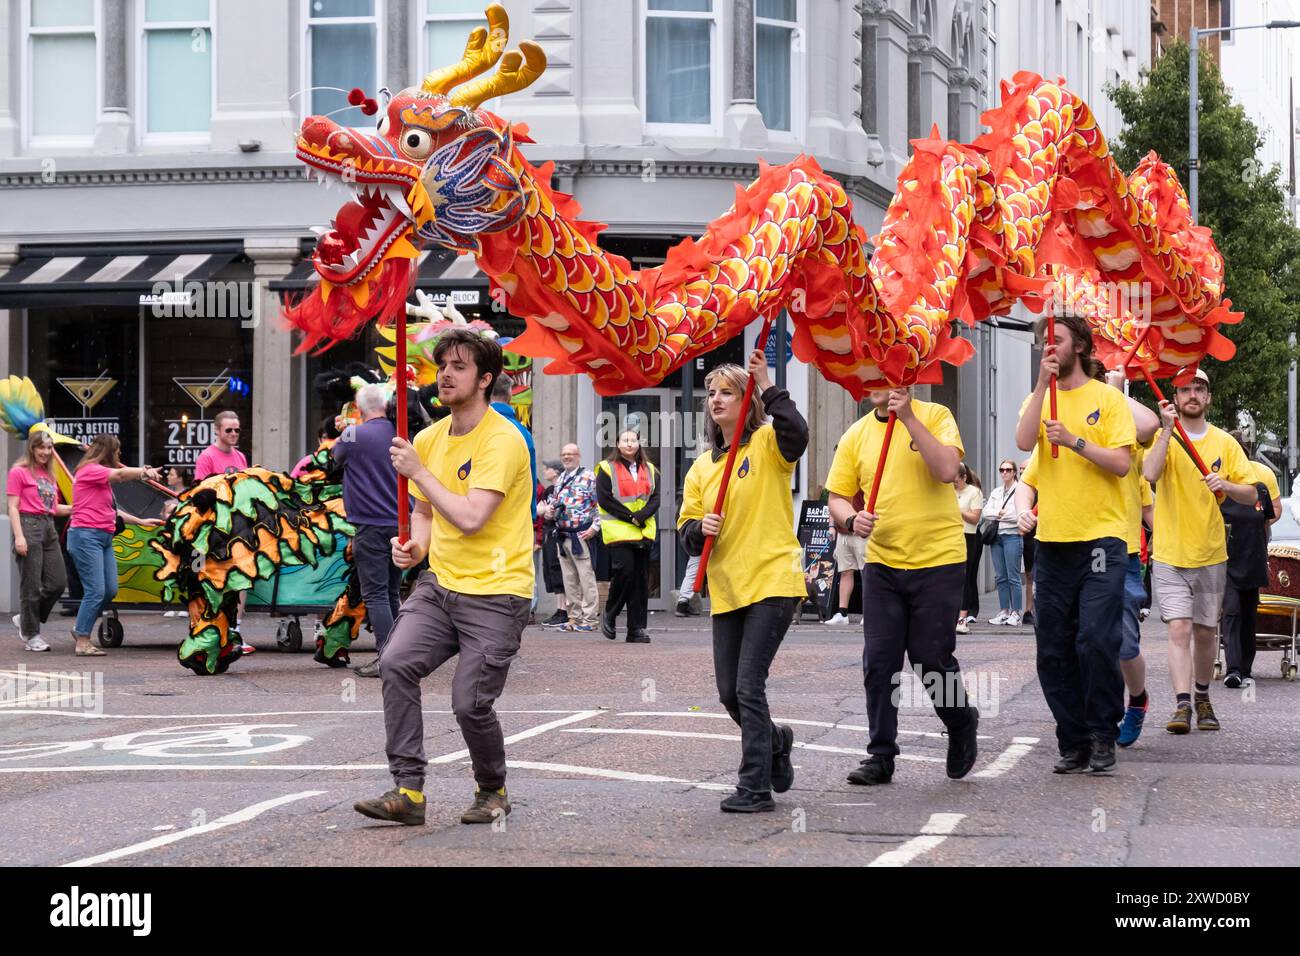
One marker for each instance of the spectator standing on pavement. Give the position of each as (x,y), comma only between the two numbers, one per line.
(470,475)
(915,571)
(33,504)
(1191,551)
(91,531)
(627,493)
(223,456)
(577,523)
(1082,525)
(370,501)
(1247,572)
(552,573)
(756,568)
(1028,551)
(970,502)
(1006,549)
(502,390)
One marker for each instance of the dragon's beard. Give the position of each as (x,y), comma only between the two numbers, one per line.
(331,313)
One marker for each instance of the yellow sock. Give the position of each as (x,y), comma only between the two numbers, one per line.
(501,792)
(415,796)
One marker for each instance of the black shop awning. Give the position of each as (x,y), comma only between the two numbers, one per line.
(441,271)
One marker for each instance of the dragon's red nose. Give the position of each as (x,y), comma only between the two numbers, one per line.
(317,129)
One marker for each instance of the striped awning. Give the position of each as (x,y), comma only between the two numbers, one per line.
(440,270)
(108,275)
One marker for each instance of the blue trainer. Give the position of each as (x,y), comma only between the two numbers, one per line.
(1130,728)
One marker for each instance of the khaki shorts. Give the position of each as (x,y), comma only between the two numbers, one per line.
(1195,593)
(850,552)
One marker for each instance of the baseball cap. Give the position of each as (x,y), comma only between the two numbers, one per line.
(1187,377)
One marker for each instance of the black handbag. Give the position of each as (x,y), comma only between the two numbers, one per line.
(988,529)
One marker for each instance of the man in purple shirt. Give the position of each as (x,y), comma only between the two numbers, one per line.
(370,500)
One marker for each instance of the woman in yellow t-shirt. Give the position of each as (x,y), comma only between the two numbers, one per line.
(755,570)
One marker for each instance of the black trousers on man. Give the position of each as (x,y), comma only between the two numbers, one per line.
(912,612)
(1240,617)
(1078,618)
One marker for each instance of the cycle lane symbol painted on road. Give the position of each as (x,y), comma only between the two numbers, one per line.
(188,741)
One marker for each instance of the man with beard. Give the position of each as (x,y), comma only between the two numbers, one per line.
(1191,554)
(915,570)
(471,475)
(1082,526)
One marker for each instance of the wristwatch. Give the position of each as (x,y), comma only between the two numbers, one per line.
(1078,445)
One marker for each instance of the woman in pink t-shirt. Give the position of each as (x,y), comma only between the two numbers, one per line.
(33,505)
(90,533)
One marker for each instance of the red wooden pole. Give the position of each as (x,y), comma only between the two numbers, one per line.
(1051,338)
(739,433)
(403,498)
(880,463)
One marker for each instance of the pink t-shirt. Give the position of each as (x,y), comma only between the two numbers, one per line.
(36,496)
(92,501)
(214,461)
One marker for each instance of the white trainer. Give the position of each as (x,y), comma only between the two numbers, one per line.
(837,619)
(963,627)
(36,643)
(1000,618)
(1013,619)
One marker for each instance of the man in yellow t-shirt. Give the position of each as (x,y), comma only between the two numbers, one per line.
(473,482)
(1189,568)
(915,570)
(1083,524)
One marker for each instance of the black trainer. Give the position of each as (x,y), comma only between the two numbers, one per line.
(962,747)
(748,801)
(1102,758)
(1074,761)
(782,768)
(683,609)
(558,619)
(1232,680)
(607,628)
(874,770)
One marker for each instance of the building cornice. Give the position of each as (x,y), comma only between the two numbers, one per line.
(158,176)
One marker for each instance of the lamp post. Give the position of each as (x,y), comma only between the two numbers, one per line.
(1194,97)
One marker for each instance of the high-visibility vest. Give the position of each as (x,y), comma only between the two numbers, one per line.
(632,493)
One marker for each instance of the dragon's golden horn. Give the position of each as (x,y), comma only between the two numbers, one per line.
(517,70)
(482,51)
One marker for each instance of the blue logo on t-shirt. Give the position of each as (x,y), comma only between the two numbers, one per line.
(1095,417)
(463,471)
(744,468)
(1216,464)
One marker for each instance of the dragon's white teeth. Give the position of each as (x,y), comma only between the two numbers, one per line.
(394,197)
(354,257)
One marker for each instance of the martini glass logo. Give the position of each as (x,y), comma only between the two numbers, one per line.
(205,391)
(88,392)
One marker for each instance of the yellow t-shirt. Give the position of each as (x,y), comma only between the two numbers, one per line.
(499,558)
(918,524)
(1264,475)
(1189,526)
(756,555)
(1078,500)
(1137,495)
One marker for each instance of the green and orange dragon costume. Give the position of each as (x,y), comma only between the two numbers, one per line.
(1035,210)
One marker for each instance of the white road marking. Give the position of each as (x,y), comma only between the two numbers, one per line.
(934,832)
(1008,758)
(736,737)
(262,713)
(780,720)
(525,734)
(614,774)
(230,819)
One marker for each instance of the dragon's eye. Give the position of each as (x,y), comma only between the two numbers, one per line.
(416,143)
(382,127)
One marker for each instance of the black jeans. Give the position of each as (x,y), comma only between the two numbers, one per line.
(629,583)
(912,612)
(970,595)
(1078,625)
(745,641)
(1240,615)
(378,577)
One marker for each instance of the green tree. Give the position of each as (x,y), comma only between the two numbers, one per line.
(1246,207)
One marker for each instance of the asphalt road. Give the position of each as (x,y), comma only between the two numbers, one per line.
(619,754)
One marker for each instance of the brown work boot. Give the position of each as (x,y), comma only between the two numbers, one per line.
(489,805)
(1205,719)
(394,806)
(1181,721)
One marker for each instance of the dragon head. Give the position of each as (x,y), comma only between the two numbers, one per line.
(436,168)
